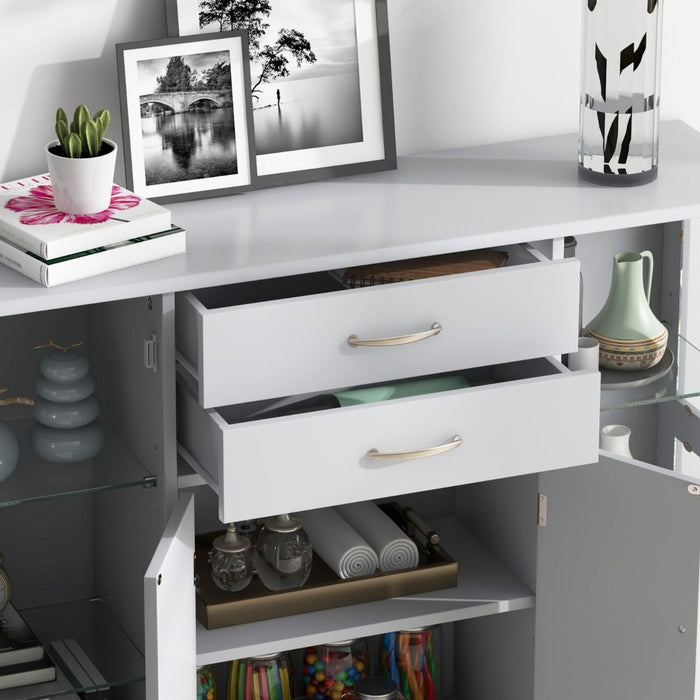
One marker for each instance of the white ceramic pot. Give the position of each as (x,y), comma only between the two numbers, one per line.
(616,438)
(82,185)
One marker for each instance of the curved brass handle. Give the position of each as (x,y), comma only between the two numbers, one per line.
(354,341)
(455,441)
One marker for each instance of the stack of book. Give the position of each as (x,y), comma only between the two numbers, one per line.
(22,657)
(52,247)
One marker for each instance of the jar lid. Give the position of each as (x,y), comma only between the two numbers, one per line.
(231,542)
(284,523)
(375,688)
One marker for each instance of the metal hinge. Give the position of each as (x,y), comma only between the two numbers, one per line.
(150,353)
(542,509)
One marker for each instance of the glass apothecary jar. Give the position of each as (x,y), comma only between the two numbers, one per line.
(413,659)
(331,670)
(267,677)
(231,560)
(206,683)
(282,554)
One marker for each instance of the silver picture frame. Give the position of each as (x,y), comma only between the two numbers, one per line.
(186,116)
(314,119)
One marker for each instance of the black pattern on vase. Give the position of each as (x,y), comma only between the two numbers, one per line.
(619,107)
(629,55)
(602,66)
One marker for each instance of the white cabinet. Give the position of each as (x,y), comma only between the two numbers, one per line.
(578,576)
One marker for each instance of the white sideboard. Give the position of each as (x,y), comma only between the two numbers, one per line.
(578,575)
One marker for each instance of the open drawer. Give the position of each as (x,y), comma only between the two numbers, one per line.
(516,418)
(299,334)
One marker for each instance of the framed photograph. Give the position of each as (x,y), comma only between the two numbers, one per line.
(186,116)
(320,82)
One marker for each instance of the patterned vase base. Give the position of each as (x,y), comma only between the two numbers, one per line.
(630,355)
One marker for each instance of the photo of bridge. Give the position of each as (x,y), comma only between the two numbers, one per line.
(187,121)
(184,101)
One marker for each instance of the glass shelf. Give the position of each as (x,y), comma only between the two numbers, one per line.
(35,479)
(90,624)
(677,376)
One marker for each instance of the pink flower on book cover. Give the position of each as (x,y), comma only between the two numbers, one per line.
(38,207)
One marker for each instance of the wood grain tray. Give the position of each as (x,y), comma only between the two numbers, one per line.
(323,590)
(420,268)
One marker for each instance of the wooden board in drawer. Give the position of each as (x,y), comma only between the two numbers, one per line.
(536,416)
(239,349)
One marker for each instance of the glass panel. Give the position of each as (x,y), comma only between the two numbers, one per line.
(677,376)
(35,479)
(96,633)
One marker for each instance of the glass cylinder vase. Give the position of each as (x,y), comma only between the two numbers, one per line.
(619,110)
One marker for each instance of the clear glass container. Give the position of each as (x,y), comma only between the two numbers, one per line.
(267,677)
(231,560)
(413,659)
(331,670)
(619,109)
(206,683)
(376,688)
(282,554)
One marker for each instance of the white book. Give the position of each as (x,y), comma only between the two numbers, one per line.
(30,220)
(96,261)
(28,673)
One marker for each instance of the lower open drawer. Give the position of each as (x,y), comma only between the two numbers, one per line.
(516,418)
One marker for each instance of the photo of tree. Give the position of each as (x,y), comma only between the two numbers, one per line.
(305,82)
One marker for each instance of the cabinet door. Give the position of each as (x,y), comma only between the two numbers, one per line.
(617,584)
(169,600)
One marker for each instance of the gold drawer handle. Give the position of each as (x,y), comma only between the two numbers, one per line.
(456,441)
(354,341)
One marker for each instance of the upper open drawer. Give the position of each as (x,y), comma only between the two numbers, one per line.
(302,334)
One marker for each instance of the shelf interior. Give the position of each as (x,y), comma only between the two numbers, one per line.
(485,587)
(35,479)
(91,625)
(680,380)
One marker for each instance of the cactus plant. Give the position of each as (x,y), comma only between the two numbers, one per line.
(83,138)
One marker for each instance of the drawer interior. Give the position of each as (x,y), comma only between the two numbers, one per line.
(260,291)
(473,377)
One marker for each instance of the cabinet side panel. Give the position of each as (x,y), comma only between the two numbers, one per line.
(617,584)
(139,404)
(503,513)
(495,657)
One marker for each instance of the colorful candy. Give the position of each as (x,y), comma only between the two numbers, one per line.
(330,671)
(206,684)
(263,678)
(408,658)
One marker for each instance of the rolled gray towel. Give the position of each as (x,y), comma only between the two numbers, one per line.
(395,549)
(338,543)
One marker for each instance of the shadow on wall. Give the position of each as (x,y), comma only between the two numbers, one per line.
(92,81)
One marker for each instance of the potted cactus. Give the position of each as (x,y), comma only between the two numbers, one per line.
(81,162)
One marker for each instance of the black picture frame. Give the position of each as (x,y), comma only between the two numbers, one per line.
(192,143)
(376,150)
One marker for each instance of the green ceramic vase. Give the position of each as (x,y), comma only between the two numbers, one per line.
(630,336)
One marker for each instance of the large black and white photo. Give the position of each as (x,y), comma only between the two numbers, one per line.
(186,116)
(320,81)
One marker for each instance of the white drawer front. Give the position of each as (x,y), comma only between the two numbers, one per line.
(298,345)
(311,460)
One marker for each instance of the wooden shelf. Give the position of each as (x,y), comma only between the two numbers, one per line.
(485,587)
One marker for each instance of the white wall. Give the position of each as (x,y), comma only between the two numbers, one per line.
(464,71)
